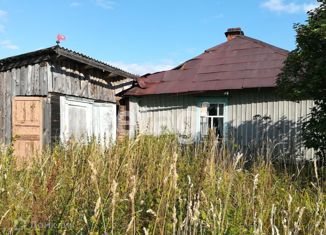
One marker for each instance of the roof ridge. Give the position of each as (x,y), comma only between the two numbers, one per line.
(57,49)
(91,58)
(265,44)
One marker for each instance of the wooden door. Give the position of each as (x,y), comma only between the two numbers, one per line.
(82,118)
(75,118)
(104,122)
(27,121)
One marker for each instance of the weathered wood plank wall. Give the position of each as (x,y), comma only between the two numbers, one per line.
(2,108)
(55,117)
(69,79)
(64,77)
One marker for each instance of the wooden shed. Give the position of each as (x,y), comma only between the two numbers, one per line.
(230,89)
(55,93)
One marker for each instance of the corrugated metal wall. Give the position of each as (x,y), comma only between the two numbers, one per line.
(277,121)
(253,116)
(156,114)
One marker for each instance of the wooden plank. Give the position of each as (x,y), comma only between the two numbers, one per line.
(12,74)
(50,76)
(55,82)
(42,79)
(47,122)
(23,80)
(36,80)
(104,122)
(17,82)
(8,98)
(63,82)
(46,79)
(55,117)
(67,80)
(76,118)
(30,84)
(2,105)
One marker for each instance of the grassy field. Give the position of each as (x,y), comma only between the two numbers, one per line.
(151,185)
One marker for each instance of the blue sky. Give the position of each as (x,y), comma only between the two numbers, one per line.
(144,35)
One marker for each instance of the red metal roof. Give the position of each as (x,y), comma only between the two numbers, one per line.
(240,63)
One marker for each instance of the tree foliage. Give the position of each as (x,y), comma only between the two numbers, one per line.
(304,76)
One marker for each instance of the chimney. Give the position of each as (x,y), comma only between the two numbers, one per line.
(233,32)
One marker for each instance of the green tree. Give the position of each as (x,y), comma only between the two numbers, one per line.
(304,76)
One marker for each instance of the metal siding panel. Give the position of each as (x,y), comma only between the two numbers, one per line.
(270,114)
(174,113)
(232,115)
(248,119)
(293,125)
(238,120)
(243,121)
(241,109)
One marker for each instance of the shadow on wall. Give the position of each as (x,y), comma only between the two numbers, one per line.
(263,137)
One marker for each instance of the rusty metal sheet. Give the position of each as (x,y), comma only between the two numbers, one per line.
(241,63)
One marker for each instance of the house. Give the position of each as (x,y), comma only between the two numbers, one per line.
(56,93)
(230,88)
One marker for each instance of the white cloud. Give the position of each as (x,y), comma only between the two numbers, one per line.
(3,18)
(3,15)
(281,6)
(75,4)
(310,6)
(106,4)
(141,69)
(7,44)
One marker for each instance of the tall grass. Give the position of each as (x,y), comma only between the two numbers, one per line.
(151,185)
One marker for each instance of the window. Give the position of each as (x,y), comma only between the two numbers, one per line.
(212,118)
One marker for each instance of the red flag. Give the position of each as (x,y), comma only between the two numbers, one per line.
(61,37)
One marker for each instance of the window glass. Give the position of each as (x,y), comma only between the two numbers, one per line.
(221,109)
(212,110)
(212,119)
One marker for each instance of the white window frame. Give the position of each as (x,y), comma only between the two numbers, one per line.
(210,118)
(212,100)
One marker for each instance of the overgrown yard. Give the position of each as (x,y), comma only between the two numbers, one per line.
(153,186)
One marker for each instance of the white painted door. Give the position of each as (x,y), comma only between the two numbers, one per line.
(104,122)
(75,118)
(83,118)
